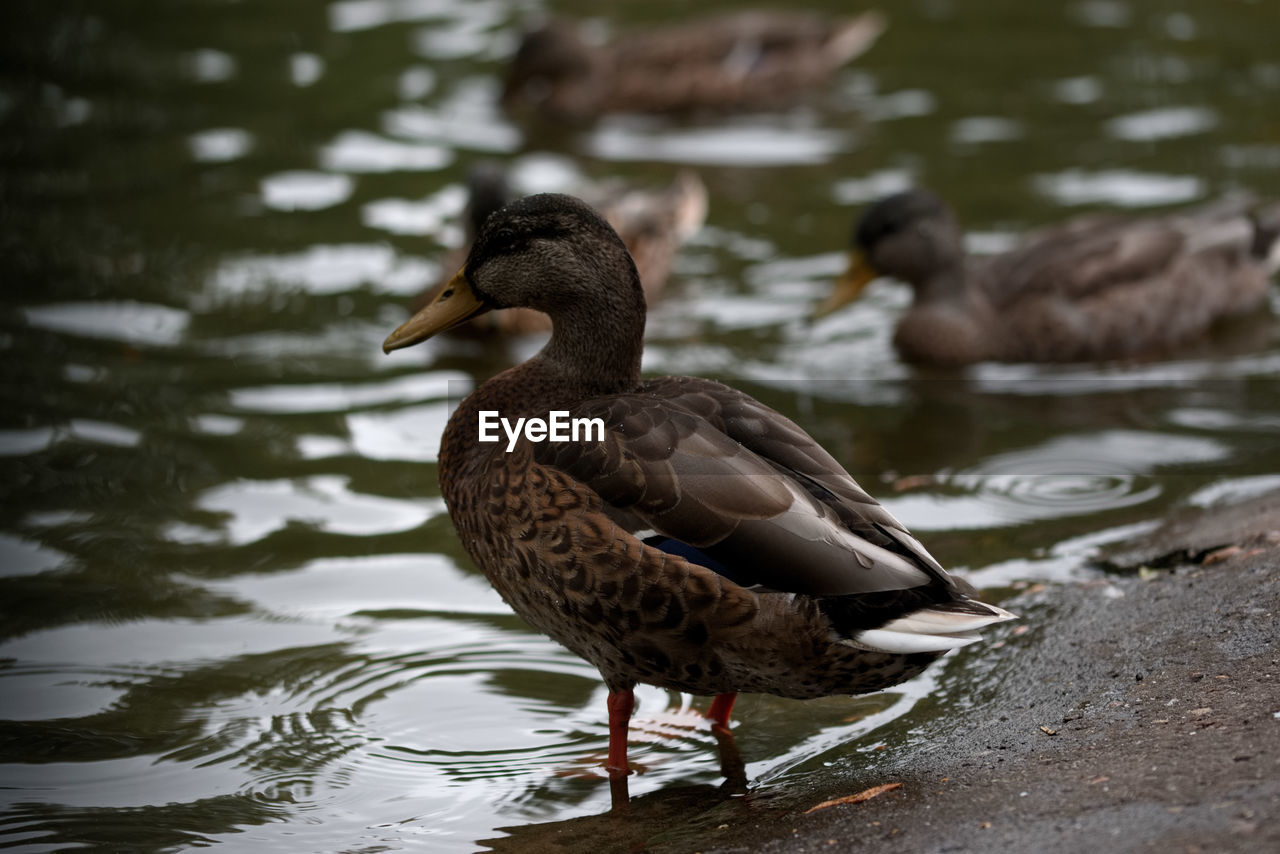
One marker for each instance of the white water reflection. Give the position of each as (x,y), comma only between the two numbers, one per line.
(1235,490)
(875,185)
(1163,123)
(411,434)
(207,65)
(20,556)
(29,694)
(1078,90)
(331,588)
(1064,561)
(361,151)
(415,83)
(1112,14)
(341,397)
(257,508)
(464,35)
(467,120)
(220,145)
(974,130)
(215,424)
(19,443)
(730,143)
(103,433)
(905,104)
(417,216)
(173,646)
(303,190)
(305,68)
(1122,187)
(323,269)
(348,16)
(123,320)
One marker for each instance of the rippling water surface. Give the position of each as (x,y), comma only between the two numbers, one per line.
(235,610)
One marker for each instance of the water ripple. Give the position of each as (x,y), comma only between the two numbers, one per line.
(1069,476)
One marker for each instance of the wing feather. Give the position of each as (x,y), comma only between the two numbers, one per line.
(706,465)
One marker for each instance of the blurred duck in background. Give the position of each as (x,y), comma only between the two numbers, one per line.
(740,61)
(1097,287)
(652,223)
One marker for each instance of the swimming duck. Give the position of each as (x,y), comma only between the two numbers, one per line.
(736,61)
(652,223)
(1094,288)
(698,540)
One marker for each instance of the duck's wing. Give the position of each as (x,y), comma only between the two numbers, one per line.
(757,35)
(705,471)
(1089,255)
(1083,258)
(735,60)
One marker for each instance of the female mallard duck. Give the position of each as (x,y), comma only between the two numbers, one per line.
(1094,288)
(652,223)
(701,542)
(738,61)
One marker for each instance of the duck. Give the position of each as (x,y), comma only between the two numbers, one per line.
(1094,288)
(654,224)
(736,61)
(688,536)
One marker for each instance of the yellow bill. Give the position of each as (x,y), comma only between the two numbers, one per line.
(455,305)
(850,284)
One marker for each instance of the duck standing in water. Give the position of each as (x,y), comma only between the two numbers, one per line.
(700,541)
(738,61)
(1094,288)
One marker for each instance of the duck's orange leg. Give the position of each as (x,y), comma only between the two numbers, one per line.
(721,706)
(731,766)
(621,705)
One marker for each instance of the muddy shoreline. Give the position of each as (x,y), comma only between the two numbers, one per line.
(1140,712)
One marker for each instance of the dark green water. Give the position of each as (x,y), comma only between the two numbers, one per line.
(234,610)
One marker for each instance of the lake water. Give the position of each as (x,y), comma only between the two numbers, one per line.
(235,612)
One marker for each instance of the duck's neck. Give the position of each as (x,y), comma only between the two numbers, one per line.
(594,350)
(945,284)
(591,353)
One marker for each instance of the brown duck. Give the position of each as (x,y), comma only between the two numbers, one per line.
(737,61)
(652,223)
(1094,288)
(704,542)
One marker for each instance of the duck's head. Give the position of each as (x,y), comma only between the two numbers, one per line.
(549,58)
(911,236)
(549,252)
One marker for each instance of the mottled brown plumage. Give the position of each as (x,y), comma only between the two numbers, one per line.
(737,61)
(706,543)
(1099,287)
(653,224)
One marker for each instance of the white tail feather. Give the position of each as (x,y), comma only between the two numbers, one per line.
(930,630)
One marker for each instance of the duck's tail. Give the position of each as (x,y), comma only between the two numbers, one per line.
(1266,237)
(936,628)
(689,200)
(853,37)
